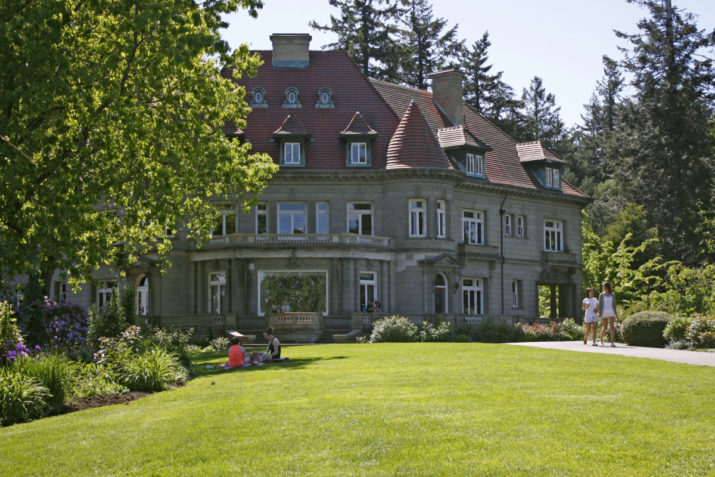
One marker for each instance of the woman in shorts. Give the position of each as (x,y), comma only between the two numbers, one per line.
(607,312)
(590,307)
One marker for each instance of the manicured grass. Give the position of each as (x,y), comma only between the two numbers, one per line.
(394,409)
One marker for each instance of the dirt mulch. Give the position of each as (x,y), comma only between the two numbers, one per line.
(99,401)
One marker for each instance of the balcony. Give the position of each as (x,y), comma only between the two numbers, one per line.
(559,258)
(257,240)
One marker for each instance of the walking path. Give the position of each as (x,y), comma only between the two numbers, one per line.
(675,355)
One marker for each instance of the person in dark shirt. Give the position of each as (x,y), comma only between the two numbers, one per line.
(274,346)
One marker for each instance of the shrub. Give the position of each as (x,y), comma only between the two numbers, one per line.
(53,371)
(173,340)
(94,380)
(701,332)
(490,330)
(219,344)
(151,370)
(21,397)
(571,329)
(393,329)
(645,328)
(116,317)
(676,328)
(434,332)
(67,324)
(547,331)
(10,336)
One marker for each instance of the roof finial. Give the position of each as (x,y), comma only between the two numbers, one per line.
(413,101)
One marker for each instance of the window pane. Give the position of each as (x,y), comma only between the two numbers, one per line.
(322,225)
(366,225)
(354,224)
(284,224)
(299,224)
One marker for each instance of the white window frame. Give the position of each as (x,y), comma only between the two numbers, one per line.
(360,213)
(508,225)
(473,224)
(217,283)
(521,226)
(474,165)
(293,214)
(324,214)
(294,158)
(553,235)
(515,294)
(357,159)
(473,295)
(263,273)
(368,280)
(261,211)
(417,218)
(59,291)
(106,291)
(227,216)
(441,218)
(553,177)
(444,292)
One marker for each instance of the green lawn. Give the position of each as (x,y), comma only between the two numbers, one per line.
(394,409)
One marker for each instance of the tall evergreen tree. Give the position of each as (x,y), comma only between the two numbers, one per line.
(541,115)
(668,154)
(479,84)
(425,45)
(365,28)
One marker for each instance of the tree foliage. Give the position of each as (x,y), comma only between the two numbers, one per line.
(110,128)
(667,158)
(426,43)
(366,30)
(541,116)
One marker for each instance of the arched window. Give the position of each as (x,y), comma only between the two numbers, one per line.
(440,294)
(142,296)
(325,98)
(258,98)
(291,99)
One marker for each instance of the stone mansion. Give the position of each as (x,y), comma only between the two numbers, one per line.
(386,194)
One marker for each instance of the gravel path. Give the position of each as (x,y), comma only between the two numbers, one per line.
(675,355)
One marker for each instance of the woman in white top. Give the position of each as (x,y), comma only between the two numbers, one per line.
(590,306)
(607,312)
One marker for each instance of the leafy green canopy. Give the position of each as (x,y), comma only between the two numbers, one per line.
(110,128)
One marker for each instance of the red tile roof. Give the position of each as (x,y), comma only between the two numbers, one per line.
(502,162)
(291,127)
(413,145)
(351,91)
(358,127)
(535,151)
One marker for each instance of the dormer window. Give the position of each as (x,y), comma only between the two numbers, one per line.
(553,178)
(291,99)
(358,137)
(325,98)
(474,165)
(292,138)
(258,98)
(358,153)
(291,153)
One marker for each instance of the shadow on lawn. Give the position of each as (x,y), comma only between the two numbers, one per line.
(199,369)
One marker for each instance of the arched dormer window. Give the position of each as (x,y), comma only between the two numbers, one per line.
(325,98)
(292,100)
(258,98)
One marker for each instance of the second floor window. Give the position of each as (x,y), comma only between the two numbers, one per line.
(291,153)
(508,224)
(292,218)
(360,218)
(417,218)
(226,224)
(441,226)
(262,218)
(521,226)
(321,218)
(553,235)
(473,226)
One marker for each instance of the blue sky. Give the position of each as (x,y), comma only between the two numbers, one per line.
(560,40)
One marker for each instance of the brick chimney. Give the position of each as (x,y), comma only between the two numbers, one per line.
(447,93)
(290,50)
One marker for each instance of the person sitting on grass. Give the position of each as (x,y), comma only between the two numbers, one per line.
(274,346)
(236,352)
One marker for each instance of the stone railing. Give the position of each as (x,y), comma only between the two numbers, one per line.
(203,325)
(299,239)
(299,327)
